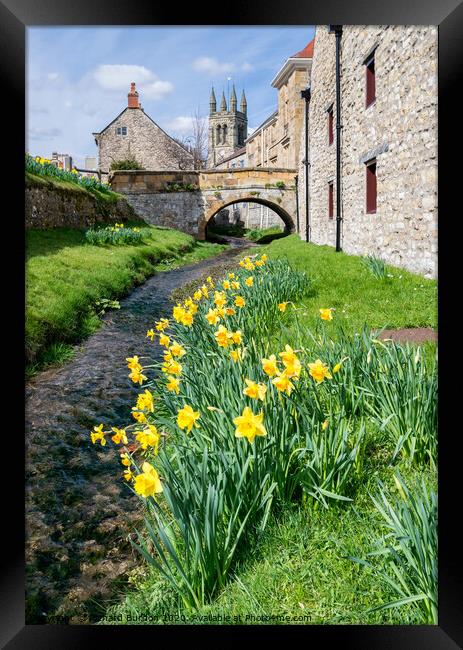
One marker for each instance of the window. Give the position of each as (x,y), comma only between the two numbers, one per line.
(370,81)
(330,125)
(242,163)
(371,186)
(121,130)
(330,200)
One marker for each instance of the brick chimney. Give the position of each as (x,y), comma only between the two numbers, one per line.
(133,97)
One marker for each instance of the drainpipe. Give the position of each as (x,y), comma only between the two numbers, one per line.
(337,30)
(297,204)
(305,94)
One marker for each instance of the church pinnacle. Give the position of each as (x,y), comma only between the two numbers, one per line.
(243,104)
(223,103)
(233,100)
(212,102)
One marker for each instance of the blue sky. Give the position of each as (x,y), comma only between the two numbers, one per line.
(78,78)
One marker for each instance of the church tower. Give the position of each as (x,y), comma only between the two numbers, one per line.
(228,127)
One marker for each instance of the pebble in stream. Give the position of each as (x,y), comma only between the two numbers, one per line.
(78,508)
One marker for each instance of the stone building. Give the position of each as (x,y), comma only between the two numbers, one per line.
(275,143)
(388,144)
(133,134)
(228,129)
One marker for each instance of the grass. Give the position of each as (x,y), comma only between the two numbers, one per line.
(301,566)
(300,569)
(65,276)
(105,198)
(265,234)
(341,281)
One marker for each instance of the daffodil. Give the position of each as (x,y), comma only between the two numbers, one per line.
(226,284)
(236,355)
(137,377)
(187,319)
(325,425)
(178,313)
(145,401)
(133,363)
(231,276)
(128,474)
(249,425)
(126,460)
(164,340)
(259,262)
(204,291)
(147,483)
(162,324)
(172,367)
(338,366)
(229,311)
(249,281)
(270,365)
(220,299)
(283,383)
(186,418)
(240,301)
(98,434)
(319,371)
(325,314)
(235,285)
(291,362)
(255,391)
(237,337)
(149,437)
(197,295)
(263,257)
(282,306)
(119,436)
(222,336)
(150,334)
(177,350)
(139,417)
(212,316)
(173,385)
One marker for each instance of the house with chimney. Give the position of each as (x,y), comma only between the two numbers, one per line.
(135,135)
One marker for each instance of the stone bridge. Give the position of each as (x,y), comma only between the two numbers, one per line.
(187,200)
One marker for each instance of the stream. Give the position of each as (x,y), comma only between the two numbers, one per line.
(79,510)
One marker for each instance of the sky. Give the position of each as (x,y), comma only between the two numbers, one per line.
(78,77)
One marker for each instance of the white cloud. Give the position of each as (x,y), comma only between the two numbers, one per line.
(119,77)
(52,76)
(212,66)
(44,133)
(251,130)
(183,125)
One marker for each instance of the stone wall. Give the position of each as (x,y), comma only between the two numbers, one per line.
(52,207)
(190,211)
(399,129)
(145,141)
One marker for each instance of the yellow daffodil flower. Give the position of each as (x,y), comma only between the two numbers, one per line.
(197,295)
(186,418)
(126,460)
(282,306)
(220,299)
(226,285)
(270,366)
(164,340)
(177,350)
(187,319)
(162,325)
(145,401)
(240,301)
(147,483)
(119,436)
(229,311)
(223,336)
(137,377)
(172,367)
(98,434)
(325,314)
(235,285)
(139,417)
(249,425)
(128,474)
(255,391)
(212,316)
(173,385)
(283,383)
(149,437)
(150,334)
(319,371)
(178,313)
(236,355)
(249,281)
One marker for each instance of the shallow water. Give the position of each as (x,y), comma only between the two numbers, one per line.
(78,508)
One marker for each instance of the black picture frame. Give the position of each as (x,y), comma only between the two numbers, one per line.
(15,17)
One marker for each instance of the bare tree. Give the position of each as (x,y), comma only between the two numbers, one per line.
(196,141)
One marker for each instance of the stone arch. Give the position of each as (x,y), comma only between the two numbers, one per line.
(219,205)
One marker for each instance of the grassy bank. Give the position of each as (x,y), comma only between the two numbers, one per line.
(341,281)
(106,197)
(66,276)
(300,565)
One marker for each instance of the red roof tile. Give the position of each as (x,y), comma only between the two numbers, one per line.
(306,53)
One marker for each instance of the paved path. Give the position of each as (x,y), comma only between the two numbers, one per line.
(78,509)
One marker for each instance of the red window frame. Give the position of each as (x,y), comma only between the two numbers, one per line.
(371,187)
(330,200)
(370,81)
(330,125)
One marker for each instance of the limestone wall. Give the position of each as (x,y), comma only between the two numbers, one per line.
(399,129)
(52,207)
(145,141)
